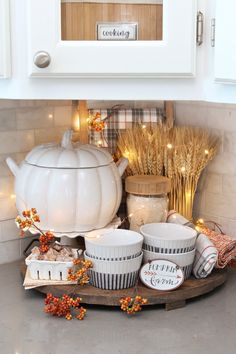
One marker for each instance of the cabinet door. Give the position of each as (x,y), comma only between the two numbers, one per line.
(225,41)
(5,66)
(172,56)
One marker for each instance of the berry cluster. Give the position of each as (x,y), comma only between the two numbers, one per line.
(132,305)
(30,217)
(64,306)
(95,123)
(79,272)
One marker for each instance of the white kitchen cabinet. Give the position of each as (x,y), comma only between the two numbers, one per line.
(225,41)
(173,56)
(5,60)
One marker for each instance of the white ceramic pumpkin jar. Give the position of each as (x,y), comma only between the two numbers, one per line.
(74,187)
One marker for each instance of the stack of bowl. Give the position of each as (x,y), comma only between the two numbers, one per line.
(172,242)
(116,256)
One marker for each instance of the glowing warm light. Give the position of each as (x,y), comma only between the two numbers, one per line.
(127,153)
(99,143)
(143,126)
(188,194)
(169,146)
(206,152)
(50,116)
(98,236)
(87,120)
(200,221)
(76,123)
(174,216)
(12,196)
(183,169)
(130,215)
(197,228)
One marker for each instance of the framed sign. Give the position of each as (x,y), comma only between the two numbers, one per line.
(162,275)
(117,31)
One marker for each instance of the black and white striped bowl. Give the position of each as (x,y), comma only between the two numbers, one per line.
(183,260)
(168,238)
(114,275)
(114,259)
(151,248)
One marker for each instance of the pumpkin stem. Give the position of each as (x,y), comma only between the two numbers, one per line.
(66,142)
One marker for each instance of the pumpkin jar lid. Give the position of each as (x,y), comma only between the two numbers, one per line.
(68,155)
(147,185)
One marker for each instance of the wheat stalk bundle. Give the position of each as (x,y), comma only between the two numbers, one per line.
(180,153)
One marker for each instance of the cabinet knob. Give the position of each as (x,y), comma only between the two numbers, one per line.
(42,59)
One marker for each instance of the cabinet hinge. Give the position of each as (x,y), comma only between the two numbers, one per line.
(200,19)
(213,31)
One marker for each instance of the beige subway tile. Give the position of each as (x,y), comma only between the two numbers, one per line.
(8,104)
(221,205)
(34,118)
(7,208)
(190,114)
(229,184)
(63,116)
(7,120)
(213,183)
(43,136)
(6,186)
(229,145)
(16,141)
(223,163)
(59,102)
(11,251)
(9,231)
(199,202)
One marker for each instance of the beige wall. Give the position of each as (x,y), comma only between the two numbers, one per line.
(24,124)
(216,197)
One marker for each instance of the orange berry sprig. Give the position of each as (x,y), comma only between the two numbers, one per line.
(80,271)
(95,123)
(64,306)
(30,217)
(132,305)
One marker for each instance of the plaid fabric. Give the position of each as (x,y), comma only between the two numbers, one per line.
(122,119)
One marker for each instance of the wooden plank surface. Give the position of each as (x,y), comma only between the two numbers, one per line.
(83,116)
(79,19)
(191,288)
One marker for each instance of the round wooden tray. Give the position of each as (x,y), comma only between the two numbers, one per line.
(191,288)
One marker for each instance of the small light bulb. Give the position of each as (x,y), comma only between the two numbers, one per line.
(98,236)
(130,215)
(12,196)
(50,116)
(188,194)
(206,152)
(143,126)
(200,221)
(99,142)
(169,146)
(183,169)
(174,216)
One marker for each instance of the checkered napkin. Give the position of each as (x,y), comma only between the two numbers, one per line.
(122,119)
(206,253)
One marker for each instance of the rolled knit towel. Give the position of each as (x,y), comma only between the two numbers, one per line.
(205,258)
(206,253)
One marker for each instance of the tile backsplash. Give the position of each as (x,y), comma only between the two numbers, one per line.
(23,125)
(216,195)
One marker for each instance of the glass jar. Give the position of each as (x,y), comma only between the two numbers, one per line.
(147,200)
